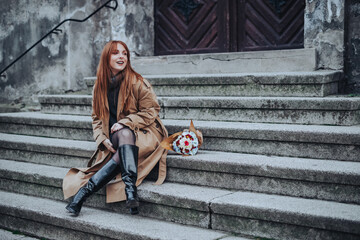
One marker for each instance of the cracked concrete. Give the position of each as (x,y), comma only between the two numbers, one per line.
(211,211)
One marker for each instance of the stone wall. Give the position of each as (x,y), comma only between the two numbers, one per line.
(352,59)
(134,21)
(333,28)
(23,22)
(61,61)
(324,30)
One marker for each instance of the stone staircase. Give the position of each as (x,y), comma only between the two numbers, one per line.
(280,160)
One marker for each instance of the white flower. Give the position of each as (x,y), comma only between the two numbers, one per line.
(186,143)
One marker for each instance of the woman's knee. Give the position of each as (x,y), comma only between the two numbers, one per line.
(125,134)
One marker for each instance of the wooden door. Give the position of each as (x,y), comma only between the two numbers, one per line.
(189,26)
(198,26)
(266,24)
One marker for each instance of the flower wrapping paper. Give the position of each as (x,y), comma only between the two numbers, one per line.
(186,143)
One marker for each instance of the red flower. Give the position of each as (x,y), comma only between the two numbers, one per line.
(186,143)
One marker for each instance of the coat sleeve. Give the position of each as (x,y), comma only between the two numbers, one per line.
(98,133)
(148,108)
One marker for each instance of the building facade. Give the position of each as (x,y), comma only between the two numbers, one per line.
(61,61)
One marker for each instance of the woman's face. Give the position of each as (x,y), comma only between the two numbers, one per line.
(118,59)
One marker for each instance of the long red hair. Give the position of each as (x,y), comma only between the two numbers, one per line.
(103,76)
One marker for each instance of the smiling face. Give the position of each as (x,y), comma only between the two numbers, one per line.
(118,59)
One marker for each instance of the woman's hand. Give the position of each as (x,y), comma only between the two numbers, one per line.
(107,143)
(116,127)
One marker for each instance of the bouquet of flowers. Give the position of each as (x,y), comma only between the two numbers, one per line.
(186,142)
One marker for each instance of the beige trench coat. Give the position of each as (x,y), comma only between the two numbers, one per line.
(144,120)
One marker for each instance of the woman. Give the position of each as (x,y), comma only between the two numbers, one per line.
(127,130)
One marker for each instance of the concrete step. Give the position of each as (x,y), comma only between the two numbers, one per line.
(310,141)
(297,110)
(310,178)
(190,206)
(322,111)
(285,217)
(47,219)
(48,151)
(240,212)
(14,235)
(298,177)
(74,127)
(259,61)
(281,84)
(66,104)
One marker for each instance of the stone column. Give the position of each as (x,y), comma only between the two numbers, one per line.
(324,30)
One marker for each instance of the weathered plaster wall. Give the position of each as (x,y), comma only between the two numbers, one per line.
(60,62)
(134,21)
(324,30)
(85,40)
(352,60)
(22,23)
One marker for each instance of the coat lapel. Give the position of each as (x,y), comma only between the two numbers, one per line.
(105,122)
(119,107)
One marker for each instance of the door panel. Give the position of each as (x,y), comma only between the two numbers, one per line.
(272,24)
(189,26)
(197,26)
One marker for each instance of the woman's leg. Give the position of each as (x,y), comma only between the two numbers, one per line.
(127,157)
(122,161)
(97,181)
(122,137)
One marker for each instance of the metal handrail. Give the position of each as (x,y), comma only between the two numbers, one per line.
(55,30)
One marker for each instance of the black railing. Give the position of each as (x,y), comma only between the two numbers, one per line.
(55,30)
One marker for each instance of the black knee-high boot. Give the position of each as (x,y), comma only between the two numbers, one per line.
(128,165)
(100,178)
